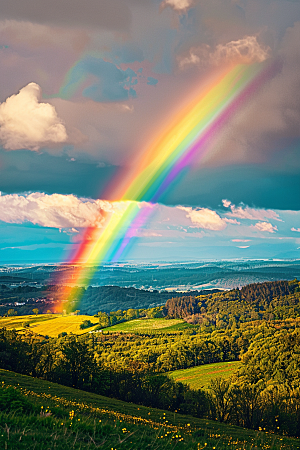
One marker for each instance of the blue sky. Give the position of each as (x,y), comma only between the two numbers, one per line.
(85,89)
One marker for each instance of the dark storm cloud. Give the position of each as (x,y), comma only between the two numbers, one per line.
(110,14)
(23,171)
(259,186)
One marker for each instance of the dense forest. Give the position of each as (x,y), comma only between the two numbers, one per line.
(266,301)
(265,392)
(89,300)
(270,301)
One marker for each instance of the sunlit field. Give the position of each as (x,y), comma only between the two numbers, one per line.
(17,322)
(49,324)
(200,376)
(54,324)
(53,417)
(150,326)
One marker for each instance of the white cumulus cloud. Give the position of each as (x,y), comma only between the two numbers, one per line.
(56,210)
(295,229)
(25,122)
(244,51)
(177,5)
(204,218)
(264,226)
(245,212)
(226,203)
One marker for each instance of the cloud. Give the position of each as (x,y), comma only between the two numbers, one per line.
(233,221)
(243,246)
(146,233)
(152,81)
(226,203)
(204,218)
(269,124)
(244,51)
(110,83)
(56,210)
(177,5)
(244,212)
(295,229)
(265,226)
(27,123)
(34,35)
(240,240)
(109,14)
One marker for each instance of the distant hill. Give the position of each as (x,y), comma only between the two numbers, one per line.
(174,276)
(112,298)
(275,300)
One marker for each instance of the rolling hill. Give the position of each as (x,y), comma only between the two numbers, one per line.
(45,415)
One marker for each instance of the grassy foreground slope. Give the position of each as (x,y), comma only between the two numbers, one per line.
(200,376)
(49,324)
(52,416)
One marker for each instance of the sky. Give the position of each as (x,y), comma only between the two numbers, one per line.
(87,88)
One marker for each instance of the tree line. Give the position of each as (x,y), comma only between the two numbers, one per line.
(264,301)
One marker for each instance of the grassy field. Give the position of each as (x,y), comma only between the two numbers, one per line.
(150,326)
(54,324)
(200,376)
(17,322)
(49,324)
(65,417)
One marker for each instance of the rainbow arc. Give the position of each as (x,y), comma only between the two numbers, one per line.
(191,134)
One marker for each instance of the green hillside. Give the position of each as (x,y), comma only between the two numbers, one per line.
(50,416)
(201,376)
(150,326)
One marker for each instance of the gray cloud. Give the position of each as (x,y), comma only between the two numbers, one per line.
(110,14)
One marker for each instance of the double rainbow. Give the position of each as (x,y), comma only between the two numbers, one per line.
(191,133)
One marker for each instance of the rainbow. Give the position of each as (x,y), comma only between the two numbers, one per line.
(190,134)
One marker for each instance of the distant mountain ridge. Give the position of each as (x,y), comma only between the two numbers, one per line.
(171,276)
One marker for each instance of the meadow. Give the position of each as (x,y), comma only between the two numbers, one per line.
(45,415)
(54,324)
(150,326)
(201,376)
(48,324)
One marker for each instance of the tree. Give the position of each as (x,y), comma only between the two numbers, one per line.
(35,311)
(11,312)
(104,319)
(220,398)
(78,361)
(86,324)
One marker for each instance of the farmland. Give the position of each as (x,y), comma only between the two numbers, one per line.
(150,326)
(200,376)
(48,324)
(54,324)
